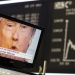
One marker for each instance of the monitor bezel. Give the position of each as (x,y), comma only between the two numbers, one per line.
(11,62)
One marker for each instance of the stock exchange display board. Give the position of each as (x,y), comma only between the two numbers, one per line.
(27,12)
(62,49)
(58,19)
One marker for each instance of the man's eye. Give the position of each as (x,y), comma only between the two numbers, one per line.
(10,25)
(24,26)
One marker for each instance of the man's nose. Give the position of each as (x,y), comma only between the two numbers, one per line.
(16,36)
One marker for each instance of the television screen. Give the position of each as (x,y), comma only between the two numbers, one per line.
(19,40)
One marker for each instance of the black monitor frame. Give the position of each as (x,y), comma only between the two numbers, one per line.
(11,62)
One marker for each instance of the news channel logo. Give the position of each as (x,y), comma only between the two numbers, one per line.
(62,4)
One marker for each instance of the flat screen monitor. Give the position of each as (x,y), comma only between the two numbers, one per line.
(19,41)
(4,71)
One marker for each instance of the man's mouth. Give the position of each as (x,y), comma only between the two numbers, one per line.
(14,48)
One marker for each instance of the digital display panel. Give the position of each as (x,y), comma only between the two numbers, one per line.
(62,44)
(19,40)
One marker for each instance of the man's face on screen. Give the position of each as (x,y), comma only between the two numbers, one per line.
(14,35)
